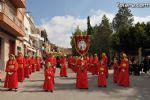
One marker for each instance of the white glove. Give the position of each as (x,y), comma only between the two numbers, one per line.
(10,73)
(49,77)
(123,70)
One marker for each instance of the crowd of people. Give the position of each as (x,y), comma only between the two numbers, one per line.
(83,65)
(136,67)
(21,67)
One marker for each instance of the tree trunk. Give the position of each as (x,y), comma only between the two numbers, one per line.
(140,54)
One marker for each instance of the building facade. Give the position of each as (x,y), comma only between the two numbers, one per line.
(35,39)
(11,28)
(29,29)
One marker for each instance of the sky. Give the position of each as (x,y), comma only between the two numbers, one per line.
(61,17)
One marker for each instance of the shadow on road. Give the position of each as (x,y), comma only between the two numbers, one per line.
(33,91)
(34,80)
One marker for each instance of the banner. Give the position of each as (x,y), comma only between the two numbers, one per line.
(82,43)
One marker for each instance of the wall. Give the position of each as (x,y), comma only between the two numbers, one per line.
(5,48)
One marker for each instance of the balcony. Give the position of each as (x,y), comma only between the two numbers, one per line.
(9,22)
(19,3)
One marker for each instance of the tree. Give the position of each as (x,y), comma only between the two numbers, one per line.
(90,32)
(130,40)
(121,40)
(123,19)
(89,27)
(141,34)
(92,49)
(147,29)
(115,42)
(102,36)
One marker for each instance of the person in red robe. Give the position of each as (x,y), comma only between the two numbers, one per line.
(73,63)
(95,67)
(63,70)
(87,58)
(37,63)
(82,77)
(115,71)
(54,62)
(102,82)
(124,72)
(105,60)
(90,64)
(50,61)
(30,64)
(41,60)
(27,67)
(69,62)
(21,65)
(11,80)
(49,78)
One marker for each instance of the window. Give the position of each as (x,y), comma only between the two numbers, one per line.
(26,30)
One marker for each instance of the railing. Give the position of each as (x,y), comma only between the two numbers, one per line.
(10,14)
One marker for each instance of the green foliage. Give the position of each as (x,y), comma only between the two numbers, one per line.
(89,27)
(123,19)
(125,38)
(115,42)
(100,40)
(147,29)
(130,40)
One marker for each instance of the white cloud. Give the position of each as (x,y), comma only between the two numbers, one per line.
(60,28)
(141,19)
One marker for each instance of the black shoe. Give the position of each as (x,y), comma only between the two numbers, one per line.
(16,90)
(21,81)
(46,90)
(27,77)
(9,89)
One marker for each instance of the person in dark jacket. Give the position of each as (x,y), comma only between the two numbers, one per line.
(145,65)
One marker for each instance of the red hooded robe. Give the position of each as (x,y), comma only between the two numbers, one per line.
(63,70)
(21,65)
(124,73)
(11,80)
(48,82)
(82,77)
(101,76)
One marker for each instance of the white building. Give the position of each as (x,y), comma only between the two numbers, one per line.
(29,28)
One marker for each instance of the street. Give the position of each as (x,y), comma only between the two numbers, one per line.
(31,89)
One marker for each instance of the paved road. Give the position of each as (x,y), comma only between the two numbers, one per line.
(65,89)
